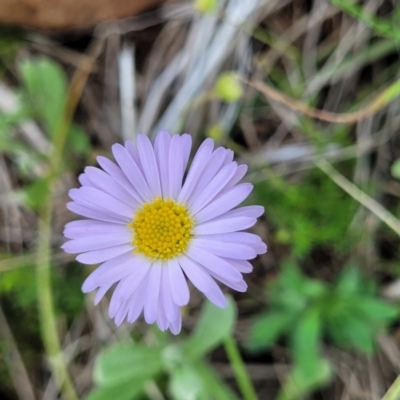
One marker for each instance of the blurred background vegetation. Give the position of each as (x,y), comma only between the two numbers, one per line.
(305,92)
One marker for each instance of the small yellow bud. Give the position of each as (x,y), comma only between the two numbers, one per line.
(228,87)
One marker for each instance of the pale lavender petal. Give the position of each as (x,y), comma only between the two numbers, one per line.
(92,197)
(162,320)
(242,266)
(161,150)
(203,281)
(151,303)
(101,292)
(175,166)
(210,170)
(200,161)
(246,211)
(228,156)
(131,268)
(115,172)
(121,314)
(175,326)
(84,180)
(170,308)
(213,188)
(134,153)
(226,249)
(214,263)
(177,283)
(132,171)
(246,238)
(85,227)
(136,302)
(94,214)
(94,280)
(236,178)
(98,256)
(224,225)
(150,167)
(225,202)
(261,248)
(101,180)
(186,148)
(129,285)
(95,243)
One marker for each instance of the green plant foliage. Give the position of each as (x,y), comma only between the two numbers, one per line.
(305,310)
(209,334)
(122,371)
(311,213)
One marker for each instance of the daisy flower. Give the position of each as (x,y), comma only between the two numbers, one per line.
(152,227)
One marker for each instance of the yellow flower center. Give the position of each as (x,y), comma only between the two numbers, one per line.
(162,229)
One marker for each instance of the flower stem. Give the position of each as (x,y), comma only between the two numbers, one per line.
(394,391)
(239,369)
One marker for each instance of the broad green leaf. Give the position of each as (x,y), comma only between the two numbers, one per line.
(214,325)
(267,329)
(127,362)
(186,384)
(395,169)
(375,311)
(213,385)
(349,282)
(46,87)
(78,140)
(306,341)
(300,382)
(125,391)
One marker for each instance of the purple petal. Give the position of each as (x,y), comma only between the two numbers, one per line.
(98,256)
(86,227)
(211,168)
(98,242)
(115,172)
(186,148)
(161,150)
(136,302)
(101,201)
(241,265)
(152,293)
(177,283)
(94,280)
(170,308)
(100,293)
(213,188)
(175,166)
(236,178)
(214,263)
(132,171)
(101,180)
(134,153)
(203,282)
(226,249)
(224,225)
(85,181)
(175,326)
(94,214)
(225,202)
(200,161)
(150,167)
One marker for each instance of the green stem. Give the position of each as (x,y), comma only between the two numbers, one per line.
(239,369)
(394,391)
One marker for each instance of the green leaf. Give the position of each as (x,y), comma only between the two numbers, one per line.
(300,382)
(395,169)
(214,387)
(186,384)
(124,391)
(267,329)
(214,325)
(78,140)
(306,341)
(46,87)
(127,362)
